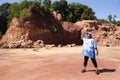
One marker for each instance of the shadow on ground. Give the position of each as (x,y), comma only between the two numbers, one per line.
(104,70)
(107,70)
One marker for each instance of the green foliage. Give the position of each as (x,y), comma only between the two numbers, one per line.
(3,17)
(47,3)
(20,9)
(23,13)
(74,11)
(114,20)
(103,21)
(0,34)
(36,2)
(110,18)
(3,23)
(4,7)
(61,7)
(13,11)
(24,4)
(9,11)
(88,14)
(53,28)
(28,3)
(118,23)
(56,6)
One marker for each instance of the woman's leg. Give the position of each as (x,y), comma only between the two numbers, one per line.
(94,62)
(95,65)
(85,61)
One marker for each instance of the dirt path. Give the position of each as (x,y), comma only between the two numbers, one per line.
(57,64)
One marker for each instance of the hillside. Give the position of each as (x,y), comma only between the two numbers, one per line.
(37,30)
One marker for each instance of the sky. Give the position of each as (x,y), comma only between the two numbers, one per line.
(102,8)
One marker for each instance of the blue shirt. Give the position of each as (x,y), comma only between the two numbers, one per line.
(88,48)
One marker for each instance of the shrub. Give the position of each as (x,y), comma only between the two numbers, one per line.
(23,13)
(0,34)
(53,28)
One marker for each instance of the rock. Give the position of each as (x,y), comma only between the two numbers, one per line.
(68,45)
(38,44)
(57,15)
(73,45)
(60,45)
(49,46)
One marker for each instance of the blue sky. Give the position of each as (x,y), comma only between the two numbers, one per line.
(102,8)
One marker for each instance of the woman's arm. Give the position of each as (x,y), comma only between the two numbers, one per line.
(96,51)
(83,32)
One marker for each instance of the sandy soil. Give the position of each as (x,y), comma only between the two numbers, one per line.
(57,64)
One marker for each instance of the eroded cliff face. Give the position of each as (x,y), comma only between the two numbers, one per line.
(36,30)
(104,34)
(46,28)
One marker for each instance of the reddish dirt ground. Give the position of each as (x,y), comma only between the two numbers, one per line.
(57,64)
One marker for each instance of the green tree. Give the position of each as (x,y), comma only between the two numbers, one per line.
(118,23)
(88,14)
(24,4)
(13,11)
(61,7)
(110,18)
(114,20)
(56,6)
(3,17)
(74,11)
(0,34)
(23,12)
(47,3)
(20,9)
(103,21)
(36,2)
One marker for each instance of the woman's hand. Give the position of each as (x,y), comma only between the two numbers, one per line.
(97,53)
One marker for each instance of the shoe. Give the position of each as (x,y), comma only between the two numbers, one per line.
(97,72)
(83,71)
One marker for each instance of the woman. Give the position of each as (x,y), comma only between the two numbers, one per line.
(88,50)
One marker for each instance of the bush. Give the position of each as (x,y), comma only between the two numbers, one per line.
(23,13)
(118,23)
(54,28)
(103,21)
(0,34)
